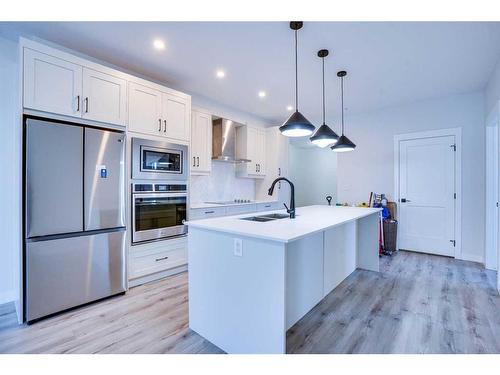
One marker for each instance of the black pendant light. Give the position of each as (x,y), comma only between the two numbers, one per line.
(296,125)
(344,144)
(324,136)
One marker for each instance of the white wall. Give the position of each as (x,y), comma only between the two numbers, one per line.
(370,166)
(10,163)
(492,91)
(314,173)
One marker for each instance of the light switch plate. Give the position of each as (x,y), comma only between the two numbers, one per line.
(238,247)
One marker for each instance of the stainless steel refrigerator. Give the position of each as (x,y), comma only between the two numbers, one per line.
(74,216)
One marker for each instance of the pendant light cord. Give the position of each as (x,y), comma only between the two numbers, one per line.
(324,110)
(342,101)
(296,76)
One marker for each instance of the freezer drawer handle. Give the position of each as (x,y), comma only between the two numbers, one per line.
(159,259)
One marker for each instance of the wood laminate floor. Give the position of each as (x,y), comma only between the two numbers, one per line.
(418,303)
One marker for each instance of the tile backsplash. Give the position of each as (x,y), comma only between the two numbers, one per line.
(221,185)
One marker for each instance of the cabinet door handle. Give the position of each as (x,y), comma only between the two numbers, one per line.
(279,172)
(198,164)
(159,122)
(78,103)
(86,105)
(165,127)
(159,259)
(194,161)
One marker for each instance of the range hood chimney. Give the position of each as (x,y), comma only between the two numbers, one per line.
(224,141)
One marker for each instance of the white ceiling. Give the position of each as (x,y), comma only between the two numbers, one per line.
(387,62)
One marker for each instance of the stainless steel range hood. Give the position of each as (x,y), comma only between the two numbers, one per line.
(224,141)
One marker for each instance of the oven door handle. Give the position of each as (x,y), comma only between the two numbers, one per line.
(160,195)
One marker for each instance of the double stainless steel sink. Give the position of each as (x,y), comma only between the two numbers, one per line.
(264,218)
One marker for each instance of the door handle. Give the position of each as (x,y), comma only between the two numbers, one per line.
(86,105)
(194,161)
(404,200)
(198,164)
(78,103)
(159,123)
(165,127)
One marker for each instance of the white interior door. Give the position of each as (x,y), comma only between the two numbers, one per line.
(491,254)
(427,195)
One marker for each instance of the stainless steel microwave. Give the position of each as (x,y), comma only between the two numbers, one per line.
(158,160)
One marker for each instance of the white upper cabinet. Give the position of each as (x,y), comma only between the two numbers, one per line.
(176,112)
(144,112)
(251,144)
(58,82)
(201,143)
(276,166)
(158,113)
(52,84)
(104,97)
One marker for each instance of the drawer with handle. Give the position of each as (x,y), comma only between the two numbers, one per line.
(156,260)
(205,213)
(268,206)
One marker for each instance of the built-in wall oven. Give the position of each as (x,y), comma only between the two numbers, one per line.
(158,211)
(158,160)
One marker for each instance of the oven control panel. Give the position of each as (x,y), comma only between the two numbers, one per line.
(159,188)
(169,187)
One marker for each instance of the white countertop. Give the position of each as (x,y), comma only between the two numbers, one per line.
(210,205)
(309,220)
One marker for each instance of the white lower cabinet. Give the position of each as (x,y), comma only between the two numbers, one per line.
(267,206)
(157,257)
(243,209)
(206,213)
(236,209)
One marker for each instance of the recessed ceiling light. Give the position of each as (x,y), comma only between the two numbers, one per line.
(220,74)
(289,108)
(159,44)
(262,94)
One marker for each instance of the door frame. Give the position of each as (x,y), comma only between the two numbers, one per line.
(492,192)
(457,132)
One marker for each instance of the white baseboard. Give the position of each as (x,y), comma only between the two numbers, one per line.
(156,276)
(472,258)
(7,296)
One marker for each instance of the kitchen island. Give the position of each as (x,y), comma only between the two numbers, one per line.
(250,281)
